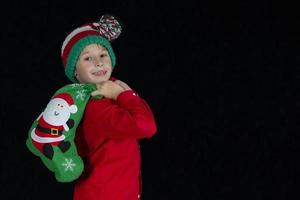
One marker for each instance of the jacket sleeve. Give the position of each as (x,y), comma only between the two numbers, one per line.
(127,117)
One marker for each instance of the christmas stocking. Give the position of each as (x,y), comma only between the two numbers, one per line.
(51,136)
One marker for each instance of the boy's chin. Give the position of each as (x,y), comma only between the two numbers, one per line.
(100,80)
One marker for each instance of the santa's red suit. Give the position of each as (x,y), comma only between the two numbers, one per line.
(46,133)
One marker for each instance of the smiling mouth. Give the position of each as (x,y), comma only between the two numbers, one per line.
(100,73)
(56,113)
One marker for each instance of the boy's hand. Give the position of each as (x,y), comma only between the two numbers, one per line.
(123,85)
(110,89)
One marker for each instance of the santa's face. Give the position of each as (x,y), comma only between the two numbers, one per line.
(57,112)
(93,65)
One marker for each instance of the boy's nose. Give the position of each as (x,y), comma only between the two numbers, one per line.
(99,63)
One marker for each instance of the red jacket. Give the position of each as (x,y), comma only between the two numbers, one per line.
(107,139)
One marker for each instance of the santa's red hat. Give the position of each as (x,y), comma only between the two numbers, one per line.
(68,98)
(65,96)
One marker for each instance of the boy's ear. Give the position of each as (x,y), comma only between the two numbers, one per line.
(75,73)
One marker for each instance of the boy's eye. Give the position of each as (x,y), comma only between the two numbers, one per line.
(103,55)
(88,58)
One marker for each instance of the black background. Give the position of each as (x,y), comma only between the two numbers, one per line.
(221,78)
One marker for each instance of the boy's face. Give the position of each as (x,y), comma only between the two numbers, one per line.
(93,65)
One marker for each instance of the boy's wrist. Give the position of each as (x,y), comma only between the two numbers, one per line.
(126,94)
(118,93)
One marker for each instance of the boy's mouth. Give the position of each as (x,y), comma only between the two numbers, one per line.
(100,73)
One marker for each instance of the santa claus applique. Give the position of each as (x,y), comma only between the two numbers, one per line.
(52,123)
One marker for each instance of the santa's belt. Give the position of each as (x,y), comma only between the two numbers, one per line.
(52,131)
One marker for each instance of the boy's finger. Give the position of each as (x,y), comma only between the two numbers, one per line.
(95,93)
(122,84)
(117,81)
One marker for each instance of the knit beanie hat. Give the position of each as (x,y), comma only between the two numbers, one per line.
(102,32)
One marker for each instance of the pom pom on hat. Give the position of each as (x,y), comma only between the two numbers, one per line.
(109,27)
(102,32)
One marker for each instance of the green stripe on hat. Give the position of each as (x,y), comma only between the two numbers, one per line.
(78,48)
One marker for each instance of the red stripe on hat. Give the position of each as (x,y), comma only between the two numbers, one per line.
(73,40)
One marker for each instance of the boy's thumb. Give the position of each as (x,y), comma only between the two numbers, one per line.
(95,93)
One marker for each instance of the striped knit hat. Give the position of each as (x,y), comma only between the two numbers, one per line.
(102,32)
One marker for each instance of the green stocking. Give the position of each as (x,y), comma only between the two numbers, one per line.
(51,136)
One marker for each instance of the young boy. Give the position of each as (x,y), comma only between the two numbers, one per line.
(107,136)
